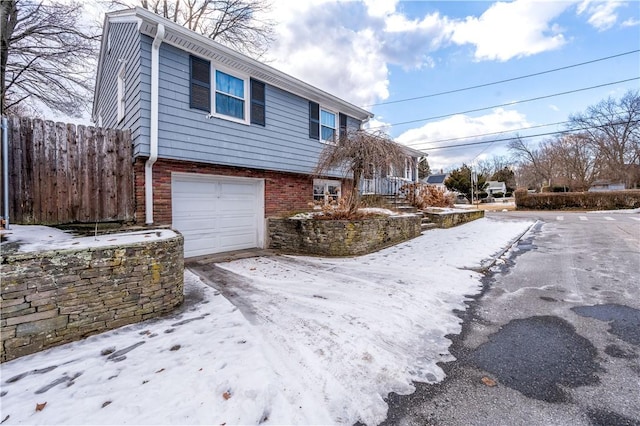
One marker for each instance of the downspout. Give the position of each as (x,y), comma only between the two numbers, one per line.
(153,134)
(5,172)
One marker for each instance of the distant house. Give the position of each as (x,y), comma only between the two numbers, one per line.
(220,141)
(494,186)
(437,180)
(605,185)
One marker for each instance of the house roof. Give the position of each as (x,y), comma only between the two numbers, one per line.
(414,152)
(202,46)
(495,184)
(436,179)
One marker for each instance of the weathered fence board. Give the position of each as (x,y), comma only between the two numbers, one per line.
(60,173)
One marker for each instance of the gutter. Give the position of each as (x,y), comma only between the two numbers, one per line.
(5,172)
(153,136)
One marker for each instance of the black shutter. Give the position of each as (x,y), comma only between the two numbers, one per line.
(200,84)
(343,125)
(314,120)
(257,103)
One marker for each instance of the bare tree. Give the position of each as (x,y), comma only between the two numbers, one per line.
(355,153)
(575,159)
(612,127)
(46,56)
(239,24)
(539,161)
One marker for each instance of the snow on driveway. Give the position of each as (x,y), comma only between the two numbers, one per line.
(282,340)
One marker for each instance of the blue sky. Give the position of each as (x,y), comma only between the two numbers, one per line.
(375,53)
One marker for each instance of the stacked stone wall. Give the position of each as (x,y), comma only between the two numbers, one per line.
(451,219)
(340,237)
(53,297)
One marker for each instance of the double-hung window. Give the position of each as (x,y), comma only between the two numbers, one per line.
(323,124)
(225,94)
(230,95)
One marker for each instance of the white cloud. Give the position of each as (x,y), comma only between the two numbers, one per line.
(320,46)
(516,29)
(602,14)
(631,22)
(380,8)
(440,133)
(345,48)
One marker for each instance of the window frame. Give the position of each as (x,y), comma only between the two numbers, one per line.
(326,197)
(336,129)
(245,89)
(315,123)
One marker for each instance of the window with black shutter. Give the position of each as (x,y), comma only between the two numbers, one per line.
(314,120)
(257,103)
(200,84)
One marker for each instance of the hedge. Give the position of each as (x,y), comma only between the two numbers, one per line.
(609,200)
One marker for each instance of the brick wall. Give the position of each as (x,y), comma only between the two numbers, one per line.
(283,192)
(340,237)
(54,297)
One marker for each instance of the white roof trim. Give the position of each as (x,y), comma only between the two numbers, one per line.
(199,45)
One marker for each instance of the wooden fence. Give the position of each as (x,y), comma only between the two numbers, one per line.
(61,173)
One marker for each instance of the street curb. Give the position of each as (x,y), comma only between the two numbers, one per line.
(491,262)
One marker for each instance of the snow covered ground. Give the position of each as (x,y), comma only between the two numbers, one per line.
(296,340)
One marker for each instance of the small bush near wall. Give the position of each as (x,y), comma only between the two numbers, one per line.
(59,296)
(340,237)
(611,200)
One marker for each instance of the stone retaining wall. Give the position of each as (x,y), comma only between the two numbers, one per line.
(449,219)
(59,296)
(340,237)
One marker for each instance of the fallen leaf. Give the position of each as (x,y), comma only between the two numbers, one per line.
(226,395)
(489,382)
(40,407)
(252,269)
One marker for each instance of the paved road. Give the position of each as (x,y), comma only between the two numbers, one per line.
(555,337)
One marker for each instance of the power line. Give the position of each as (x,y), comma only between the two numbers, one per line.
(503,81)
(507,104)
(500,132)
(560,132)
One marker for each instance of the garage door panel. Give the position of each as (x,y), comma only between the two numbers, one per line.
(217,214)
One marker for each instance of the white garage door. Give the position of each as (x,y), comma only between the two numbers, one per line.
(216,213)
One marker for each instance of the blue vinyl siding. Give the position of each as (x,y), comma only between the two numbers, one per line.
(283,144)
(126,47)
(187,134)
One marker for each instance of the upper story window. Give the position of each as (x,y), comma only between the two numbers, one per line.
(327,126)
(323,124)
(225,95)
(230,95)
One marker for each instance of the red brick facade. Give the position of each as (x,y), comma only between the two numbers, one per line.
(283,192)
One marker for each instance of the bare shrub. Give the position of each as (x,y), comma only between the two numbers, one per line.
(422,196)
